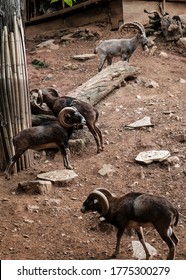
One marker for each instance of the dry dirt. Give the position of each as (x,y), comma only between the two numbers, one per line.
(57,229)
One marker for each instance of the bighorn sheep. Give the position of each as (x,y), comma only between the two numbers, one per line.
(49,135)
(90,113)
(124,48)
(136,210)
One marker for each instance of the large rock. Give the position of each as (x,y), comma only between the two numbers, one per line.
(58,177)
(139,252)
(152,156)
(35,187)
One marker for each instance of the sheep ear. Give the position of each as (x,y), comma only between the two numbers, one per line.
(95,201)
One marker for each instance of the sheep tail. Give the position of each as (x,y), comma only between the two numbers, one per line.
(177,218)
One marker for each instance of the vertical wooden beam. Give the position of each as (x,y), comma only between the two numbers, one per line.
(163,4)
(123,9)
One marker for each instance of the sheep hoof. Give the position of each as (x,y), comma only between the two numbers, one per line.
(7,176)
(99,150)
(69,167)
(114,255)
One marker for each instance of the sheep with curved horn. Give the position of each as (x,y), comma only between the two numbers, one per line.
(138,211)
(124,48)
(52,134)
(89,112)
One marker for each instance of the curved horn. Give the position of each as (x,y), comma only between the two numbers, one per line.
(63,112)
(102,200)
(52,91)
(135,25)
(106,192)
(153,12)
(38,97)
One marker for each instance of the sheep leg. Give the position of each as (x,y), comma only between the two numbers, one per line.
(109,61)
(174,238)
(65,154)
(100,136)
(12,161)
(140,234)
(166,236)
(119,235)
(95,135)
(102,61)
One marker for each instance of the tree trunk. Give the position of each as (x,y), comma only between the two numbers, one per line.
(110,78)
(98,87)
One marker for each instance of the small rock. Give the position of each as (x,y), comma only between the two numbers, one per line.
(173,160)
(182,42)
(76,144)
(33,208)
(46,43)
(70,66)
(68,37)
(151,84)
(146,121)
(163,54)
(106,170)
(182,81)
(53,202)
(153,50)
(152,156)
(27,221)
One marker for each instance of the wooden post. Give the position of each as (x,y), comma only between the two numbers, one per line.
(163,4)
(123,10)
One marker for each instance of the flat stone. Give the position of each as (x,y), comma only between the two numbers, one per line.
(35,187)
(63,176)
(152,156)
(84,56)
(46,43)
(146,121)
(139,252)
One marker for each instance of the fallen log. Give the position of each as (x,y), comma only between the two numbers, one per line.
(97,88)
(110,78)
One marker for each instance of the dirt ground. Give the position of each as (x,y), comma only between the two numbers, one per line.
(52,226)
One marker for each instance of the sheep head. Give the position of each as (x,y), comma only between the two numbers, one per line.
(36,102)
(140,28)
(70,117)
(96,201)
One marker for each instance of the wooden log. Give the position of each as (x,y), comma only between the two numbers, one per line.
(110,78)
(41,118)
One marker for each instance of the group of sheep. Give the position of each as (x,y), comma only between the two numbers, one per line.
(133,210)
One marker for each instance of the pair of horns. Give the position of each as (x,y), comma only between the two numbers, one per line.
(102,195)
(63,113)
(39,94)
(135,25)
